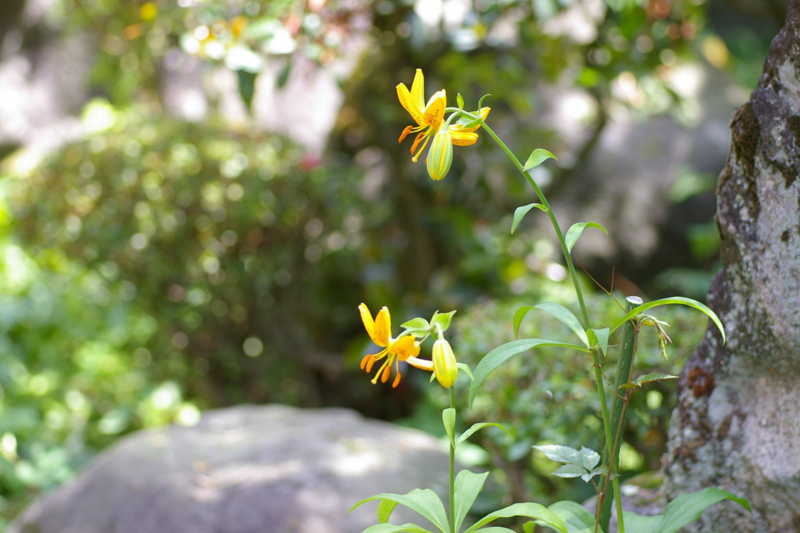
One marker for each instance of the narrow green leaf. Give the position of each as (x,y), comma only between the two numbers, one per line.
(560,312)
(449,419)
(687,508)
(520,212)
(495,529)
(577,518)
(460,100)
(477,427)
(423,501)
(537,157)
(598,337)
(648,378)
(527,510)
(465,367)
(418,327)
(675,300)
(467,487)
(502,353)
(385,510)
(575,231)
(566,317)
(391,528)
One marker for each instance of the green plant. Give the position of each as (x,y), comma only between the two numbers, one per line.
(602,471)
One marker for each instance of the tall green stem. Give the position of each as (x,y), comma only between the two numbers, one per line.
(598,375)
(452,470)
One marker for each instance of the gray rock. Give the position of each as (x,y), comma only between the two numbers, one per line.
(245,469)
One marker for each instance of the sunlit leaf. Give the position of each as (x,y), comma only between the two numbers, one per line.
(467,487)
(503,353)
(537,157)
(575,231)
(521,211)
(675,300)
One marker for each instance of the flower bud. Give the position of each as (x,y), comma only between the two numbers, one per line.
(440,155)
(444,363)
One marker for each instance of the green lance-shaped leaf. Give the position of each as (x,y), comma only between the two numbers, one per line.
(598,338)
(527,510)
(503,353)
(467,487)
(494,529)
(449,420)
(460,100)
(391,528)
(385,510)
(423,501)
(647,378)
(465,367)
(574,232)
(564,315)
(477,427)
(521,211)
(577,518)
(537,157)
(680,512)
(675,300)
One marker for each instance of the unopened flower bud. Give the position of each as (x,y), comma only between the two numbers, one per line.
(444,363)
(440,155)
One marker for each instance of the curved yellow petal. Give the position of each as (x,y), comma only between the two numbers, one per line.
(405,347)
(463,139)
(383,328)
(422,364)
(418,89)
(434,111)
(375,331)
(413,108)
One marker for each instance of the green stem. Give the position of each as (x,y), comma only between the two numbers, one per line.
(601,393)
(452,470)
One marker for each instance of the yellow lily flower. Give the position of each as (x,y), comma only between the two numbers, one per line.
(405,348)
(429,118)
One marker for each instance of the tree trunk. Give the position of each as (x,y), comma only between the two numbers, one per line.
(737,423)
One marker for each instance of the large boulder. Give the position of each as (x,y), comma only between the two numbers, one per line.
(245,469)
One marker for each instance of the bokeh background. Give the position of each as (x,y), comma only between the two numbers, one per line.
(196,195)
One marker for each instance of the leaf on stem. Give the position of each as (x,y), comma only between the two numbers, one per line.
(577,518)
(537,157)
(423,501)
(449,420)
(527,510)
(520,213)
(647,378)
(503,353)
(598,338)
(418,327)
(477,427)
(561,313)
(675,300)
(467,487)
(575,231)
(680,512)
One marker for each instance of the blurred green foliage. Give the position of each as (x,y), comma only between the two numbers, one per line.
(158,267)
